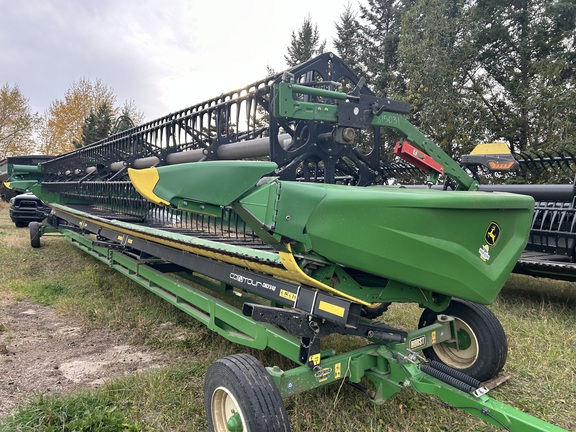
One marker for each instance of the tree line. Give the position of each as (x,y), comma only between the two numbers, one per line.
(87,113)
(473,71)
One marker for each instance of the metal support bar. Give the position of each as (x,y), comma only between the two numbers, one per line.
(351,113)
(217,315)
(255,148)
(311,330)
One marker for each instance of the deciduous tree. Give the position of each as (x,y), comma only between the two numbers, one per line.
(64,119)
(17,123)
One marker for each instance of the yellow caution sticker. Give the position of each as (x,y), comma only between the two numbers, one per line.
(331,308)
(314,359)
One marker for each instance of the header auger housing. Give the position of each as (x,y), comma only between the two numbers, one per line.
(311,230)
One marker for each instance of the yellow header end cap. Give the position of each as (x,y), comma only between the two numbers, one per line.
(7,184)
(145,180)
(494,148)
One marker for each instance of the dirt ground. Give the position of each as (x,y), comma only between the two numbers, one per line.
(44,353)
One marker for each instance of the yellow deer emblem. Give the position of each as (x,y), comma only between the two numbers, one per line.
(492,234)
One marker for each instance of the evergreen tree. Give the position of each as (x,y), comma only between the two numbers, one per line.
(347,41)
(526,70)
(88,131)
(379,43)
(305,44)
(435,59)
(97,125)
(477,70)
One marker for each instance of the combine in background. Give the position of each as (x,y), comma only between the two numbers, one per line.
(9,169)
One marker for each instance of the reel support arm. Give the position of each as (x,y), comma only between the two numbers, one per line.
(362,112)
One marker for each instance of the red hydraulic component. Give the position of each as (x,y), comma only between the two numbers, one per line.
(417,158)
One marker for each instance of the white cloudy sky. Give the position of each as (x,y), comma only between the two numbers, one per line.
(164,55)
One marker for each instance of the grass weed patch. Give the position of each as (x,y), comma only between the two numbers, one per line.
(83,412)
(167,399)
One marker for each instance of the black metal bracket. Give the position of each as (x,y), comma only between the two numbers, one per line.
(311,330)
(359,113)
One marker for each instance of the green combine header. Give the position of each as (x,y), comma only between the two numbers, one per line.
(274,197)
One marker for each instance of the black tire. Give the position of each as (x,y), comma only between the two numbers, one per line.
(238,389)
(483,345)
(34,234)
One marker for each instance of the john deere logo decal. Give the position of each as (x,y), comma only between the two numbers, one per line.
(492,234)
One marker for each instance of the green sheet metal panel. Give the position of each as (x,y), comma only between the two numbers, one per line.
(214,182)
(463,244)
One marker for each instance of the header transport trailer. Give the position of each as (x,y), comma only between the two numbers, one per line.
(272,196)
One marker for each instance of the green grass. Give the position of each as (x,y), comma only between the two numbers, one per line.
(166,399)
(539,317)
(77,413)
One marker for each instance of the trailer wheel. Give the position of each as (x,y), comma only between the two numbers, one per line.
(239,395)
(34,234)
(482,342)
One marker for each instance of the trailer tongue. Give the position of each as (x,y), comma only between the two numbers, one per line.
(283,252)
